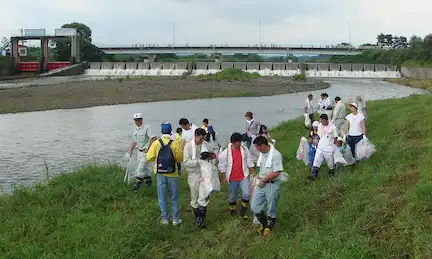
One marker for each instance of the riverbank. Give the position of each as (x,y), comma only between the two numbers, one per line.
(82,94)
(415,83)
(380,209)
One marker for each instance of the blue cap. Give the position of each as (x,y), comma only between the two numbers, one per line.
(166,128)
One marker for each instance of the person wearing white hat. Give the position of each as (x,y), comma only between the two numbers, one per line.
(356,127)
(141,140)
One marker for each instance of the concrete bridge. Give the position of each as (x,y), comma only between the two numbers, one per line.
(264,68)
(231,50)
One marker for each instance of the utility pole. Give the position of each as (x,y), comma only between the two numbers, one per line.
(173,33)
(349,33)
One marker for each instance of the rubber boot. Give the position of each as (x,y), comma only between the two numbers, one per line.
(243,210)
(147,181)
(202,212)
(233,208)
(196,213)
(138,183)
(271,223)
(314,173)
(331,172)
(263,222)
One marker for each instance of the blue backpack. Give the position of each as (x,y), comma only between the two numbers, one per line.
(166,163)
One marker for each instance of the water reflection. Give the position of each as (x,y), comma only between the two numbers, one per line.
(67,139)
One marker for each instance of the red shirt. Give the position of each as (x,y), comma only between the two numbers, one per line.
(237,165)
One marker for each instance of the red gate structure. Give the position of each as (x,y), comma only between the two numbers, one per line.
(33,66)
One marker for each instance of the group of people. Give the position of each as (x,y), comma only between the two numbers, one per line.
(249,163)
(335,132)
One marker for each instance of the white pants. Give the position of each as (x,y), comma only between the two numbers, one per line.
(197,191)
(320,156)
(143,165)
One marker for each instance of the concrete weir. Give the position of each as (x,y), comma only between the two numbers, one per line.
(168,66)
(214,66)
(369,67)
(107,65)
(240,65)
(131,65)
(357,67)
(143,65)
(252,66)
(346,67)
(380,67)
(181,65)
(312,66)
(323,67)
(292,66)
(266,65)
(335,67)
(95,65)
(278,66)
(119,65)
(226,65)
(156,65)
(202,65)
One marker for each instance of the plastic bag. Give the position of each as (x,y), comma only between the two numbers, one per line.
(364,149)
(338,157)
(347,155)
(209,178)
(284,177)
(303,151)
(307,120)
(130,165)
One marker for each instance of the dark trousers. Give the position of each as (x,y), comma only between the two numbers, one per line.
(311,117)
(352,141)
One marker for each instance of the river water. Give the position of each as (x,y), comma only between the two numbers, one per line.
(68,139)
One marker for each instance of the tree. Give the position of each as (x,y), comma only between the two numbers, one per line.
(400,42)
(381,39)
(88,50)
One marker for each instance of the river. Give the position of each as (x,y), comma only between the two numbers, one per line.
(68,139)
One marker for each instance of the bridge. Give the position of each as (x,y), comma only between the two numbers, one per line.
(231,50)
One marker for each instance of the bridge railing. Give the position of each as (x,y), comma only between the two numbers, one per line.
(218,46)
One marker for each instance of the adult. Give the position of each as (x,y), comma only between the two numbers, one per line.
(309,107)
(325,105)
(267,192)
(339,114)
(251,129)
(141,140)
(234,165)
(356,127)
(167,154)
(327,134)
(191,155)
(188,130)
(362,107)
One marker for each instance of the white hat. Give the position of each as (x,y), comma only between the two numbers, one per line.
(315,124)
(340,139)
(138,116)
(354,104)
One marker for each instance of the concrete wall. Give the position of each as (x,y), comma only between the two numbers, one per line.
(156,65)
(346,67)
(201,65)
(380,67)
(143,65)
(119,65)
(266,65)
(131,65)
(369,67)
(417,73)
(107,65)
(95,65)
(73,70)
(7,67)
(391,68)
(214,66)
(240,65)
(312,66)
(225,65)
(357,67)
(323,67)
(278,66)
(292,66)
(181,65)
(168,66)
(335,67)
(252,66)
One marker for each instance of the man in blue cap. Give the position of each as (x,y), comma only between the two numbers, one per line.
(167,154)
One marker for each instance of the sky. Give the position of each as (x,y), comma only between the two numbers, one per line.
(234,22)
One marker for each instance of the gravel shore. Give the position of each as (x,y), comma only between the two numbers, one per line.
(80,94)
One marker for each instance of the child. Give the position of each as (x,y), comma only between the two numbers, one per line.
(313,142)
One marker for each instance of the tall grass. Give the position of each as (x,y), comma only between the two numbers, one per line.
(378,209)
(229,74)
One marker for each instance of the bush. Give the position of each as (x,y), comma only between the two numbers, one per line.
(233,74)
(299,77)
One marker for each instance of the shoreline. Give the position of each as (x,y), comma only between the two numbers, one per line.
(376,204)
(425,84)
(84,94)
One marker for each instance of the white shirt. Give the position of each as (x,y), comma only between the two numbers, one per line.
(191,164)
(326,142)
(355,128)
(142,136)
(309,107)
(276,164)
(189,134)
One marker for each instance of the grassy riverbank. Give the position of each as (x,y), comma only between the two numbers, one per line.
(71,95)
(416,83)
(380,209)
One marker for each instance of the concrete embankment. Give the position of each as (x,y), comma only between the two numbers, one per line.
(263,68)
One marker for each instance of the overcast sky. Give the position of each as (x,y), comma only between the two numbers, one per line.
(286,22)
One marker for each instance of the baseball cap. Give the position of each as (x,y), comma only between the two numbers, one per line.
(354,104)
(166,128)
(137,116)
(315,124)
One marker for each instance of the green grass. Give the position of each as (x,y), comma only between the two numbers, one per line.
(380,209)
(416,63)
(230,74)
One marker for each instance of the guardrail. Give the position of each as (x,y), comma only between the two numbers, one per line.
(216,46)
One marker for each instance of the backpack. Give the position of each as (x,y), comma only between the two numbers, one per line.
(166,163)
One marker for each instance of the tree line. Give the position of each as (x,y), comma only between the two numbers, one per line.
(396,50)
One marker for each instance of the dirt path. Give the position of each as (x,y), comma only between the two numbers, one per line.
(109,92)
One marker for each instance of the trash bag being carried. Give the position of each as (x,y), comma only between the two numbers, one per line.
(210,178)
(303,151)
(338,157)
(130,165)
(364,149)
(307,120)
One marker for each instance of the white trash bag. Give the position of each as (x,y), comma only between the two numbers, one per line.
(130,165)
(307,120)
(347,155)
(284,177)
(210,178)
(303,151)
(338,157)
(364,149)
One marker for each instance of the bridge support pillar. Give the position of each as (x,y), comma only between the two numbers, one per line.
(14,51)
(218,57)
(151,58)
